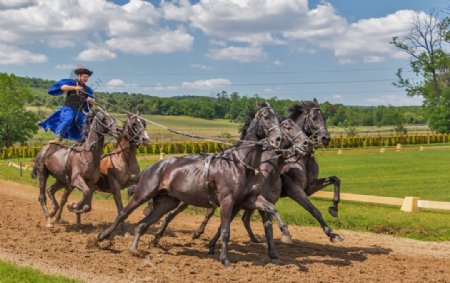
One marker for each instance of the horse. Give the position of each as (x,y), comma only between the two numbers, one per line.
(207,181)
(299,176)
(76,166)
(120,168)
(271,167)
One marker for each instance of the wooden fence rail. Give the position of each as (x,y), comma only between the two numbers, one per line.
(407,204)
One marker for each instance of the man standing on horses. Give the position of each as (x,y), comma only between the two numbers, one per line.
(69,120)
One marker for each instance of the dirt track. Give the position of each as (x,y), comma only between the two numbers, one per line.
(64,250)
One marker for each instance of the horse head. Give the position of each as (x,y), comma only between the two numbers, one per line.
(309,118)
(267,124)
(103,123)
(295,138)
(135,131)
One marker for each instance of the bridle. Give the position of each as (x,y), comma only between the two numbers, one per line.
(308,126)
(134,137)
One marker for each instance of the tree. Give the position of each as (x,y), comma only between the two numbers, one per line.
(428,43)
(16,124)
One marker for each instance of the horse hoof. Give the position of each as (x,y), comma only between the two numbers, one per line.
(127,234)
(146,211)
(49,225)
(335,238)
(286,239)
(135,253)
(195,235)
(275,260)
(333,211)
(256,241)
(211,251)
(227,263)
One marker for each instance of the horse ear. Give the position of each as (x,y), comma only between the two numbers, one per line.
(137,113)
(315,101)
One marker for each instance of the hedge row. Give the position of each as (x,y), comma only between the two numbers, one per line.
(208,147)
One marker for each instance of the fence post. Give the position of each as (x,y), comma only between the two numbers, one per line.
(410,204)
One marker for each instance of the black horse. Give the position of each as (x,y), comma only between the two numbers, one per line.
(272,163)
(231,180)
(299,175)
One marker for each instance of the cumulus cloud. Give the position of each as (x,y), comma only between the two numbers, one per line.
(96,54)
(201,66)
(396,100)
(206,84)
(239,54)
(164,41)
(13,55)
(115,83)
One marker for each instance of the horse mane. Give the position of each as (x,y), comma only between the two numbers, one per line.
(251,112)
(89,119)
(297,109)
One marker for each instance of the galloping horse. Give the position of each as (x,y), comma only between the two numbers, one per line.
(120,168)
(299,175)
(272,163)
(74,167)
(206,181)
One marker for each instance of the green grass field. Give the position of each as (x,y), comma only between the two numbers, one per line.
(11,273)
(397,174)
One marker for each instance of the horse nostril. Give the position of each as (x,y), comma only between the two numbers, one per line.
(278,139)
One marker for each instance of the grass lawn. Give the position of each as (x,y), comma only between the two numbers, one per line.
(11,273)
(397,174)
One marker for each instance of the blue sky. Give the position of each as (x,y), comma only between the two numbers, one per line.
(332,50)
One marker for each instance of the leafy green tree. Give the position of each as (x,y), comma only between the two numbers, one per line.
(427,44)
(16,124)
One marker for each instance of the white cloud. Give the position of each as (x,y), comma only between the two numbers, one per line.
(240,54)
(277,63)
(96,54)
(115,83)
(206,84)
(396,100)
(11,55)
(161,87)
(163,41)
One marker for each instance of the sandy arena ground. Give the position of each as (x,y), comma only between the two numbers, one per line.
(66,250)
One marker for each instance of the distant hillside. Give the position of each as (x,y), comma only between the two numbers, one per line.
(233,107)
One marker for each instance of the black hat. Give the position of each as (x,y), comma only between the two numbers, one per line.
(81,71)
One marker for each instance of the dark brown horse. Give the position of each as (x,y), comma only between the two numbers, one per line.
(272,163)
(120,168)
(206,181)
(74,167)
(300,174)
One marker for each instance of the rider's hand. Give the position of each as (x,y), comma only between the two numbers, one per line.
(91,100)
(78,87)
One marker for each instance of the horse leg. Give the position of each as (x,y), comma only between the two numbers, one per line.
(201,229)
(51,195)
(268,231)
(42,198)
(170,216)
(226,212)
(297,194)
(319,184)
(114,187)
(84,205)
(134,203)
(213,242)
(161,205)
(246,219)
(263,205)
(67,191)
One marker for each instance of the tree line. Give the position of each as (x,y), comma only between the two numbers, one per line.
(233,107)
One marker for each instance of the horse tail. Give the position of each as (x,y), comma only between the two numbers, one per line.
(34,173)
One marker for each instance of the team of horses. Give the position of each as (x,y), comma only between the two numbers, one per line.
(273,158)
